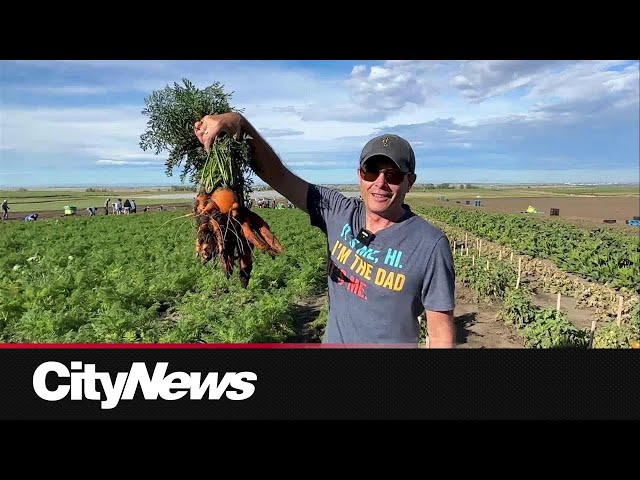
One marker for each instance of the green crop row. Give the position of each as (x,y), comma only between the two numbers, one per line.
(601,255)
(540,327)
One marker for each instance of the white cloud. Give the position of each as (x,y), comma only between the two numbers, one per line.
(123,162)
(64,90)
(474,109)
(482,79)
(93,131)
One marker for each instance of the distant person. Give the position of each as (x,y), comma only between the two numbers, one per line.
(106,206)
(92,211)
(127,206)
(31,218)
(118,207)
(133,206)
(5,210)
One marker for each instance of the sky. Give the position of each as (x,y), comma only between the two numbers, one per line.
(78,123)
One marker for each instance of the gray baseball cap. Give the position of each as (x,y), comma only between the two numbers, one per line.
(393,147)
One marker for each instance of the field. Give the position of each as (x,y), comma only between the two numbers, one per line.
(589,210)
(54,200)
(135,278)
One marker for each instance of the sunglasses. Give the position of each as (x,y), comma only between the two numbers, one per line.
(391,175)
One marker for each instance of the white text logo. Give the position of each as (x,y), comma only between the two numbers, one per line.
(83,381)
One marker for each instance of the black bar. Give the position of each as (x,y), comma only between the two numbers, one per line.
(345,384)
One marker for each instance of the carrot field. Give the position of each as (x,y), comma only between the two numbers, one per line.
(135,278)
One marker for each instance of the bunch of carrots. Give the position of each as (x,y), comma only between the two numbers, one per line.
(227,230)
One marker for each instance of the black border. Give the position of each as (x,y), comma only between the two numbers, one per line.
(265,31)
(362,384)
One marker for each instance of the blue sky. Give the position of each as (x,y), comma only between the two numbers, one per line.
(78,123)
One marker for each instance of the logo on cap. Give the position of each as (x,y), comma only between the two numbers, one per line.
(385,142)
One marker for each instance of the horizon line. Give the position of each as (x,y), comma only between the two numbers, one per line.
(262,185)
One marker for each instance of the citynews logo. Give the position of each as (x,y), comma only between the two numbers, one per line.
(84,378)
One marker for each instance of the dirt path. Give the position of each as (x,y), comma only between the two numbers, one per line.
(306,313)
(477,326)
(580,317)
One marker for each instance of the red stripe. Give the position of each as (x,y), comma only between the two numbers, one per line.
(110,346)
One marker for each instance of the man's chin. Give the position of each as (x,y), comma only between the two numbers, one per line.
(378,207)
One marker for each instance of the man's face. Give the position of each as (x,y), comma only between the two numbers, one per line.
(386,187)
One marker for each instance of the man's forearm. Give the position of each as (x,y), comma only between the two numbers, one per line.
(441,329)
(268,166)
(442,341)
(264,162)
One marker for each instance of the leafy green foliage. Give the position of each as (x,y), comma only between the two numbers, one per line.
(601,255)
(135,278)
(541,328)
(517,309)
(172,113)
(228,167)
(552,329)
(491,283)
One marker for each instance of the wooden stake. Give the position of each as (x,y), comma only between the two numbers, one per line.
(558,302)
(473,260)
(591,335)
(466,239)
(519,272)
(511,257)
(487,264)
(620,300)
(480,248)
(500,256)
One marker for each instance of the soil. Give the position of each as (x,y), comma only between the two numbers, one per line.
(477,325)
(584,211)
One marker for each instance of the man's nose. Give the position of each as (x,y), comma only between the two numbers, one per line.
(381,180)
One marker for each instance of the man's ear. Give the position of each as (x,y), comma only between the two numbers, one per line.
(412,179)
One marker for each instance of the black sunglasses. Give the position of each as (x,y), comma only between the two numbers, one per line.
(391,175)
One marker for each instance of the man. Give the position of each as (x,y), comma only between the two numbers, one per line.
(386,265)
(5,210)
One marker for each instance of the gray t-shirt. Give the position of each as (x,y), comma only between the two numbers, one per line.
(376,292)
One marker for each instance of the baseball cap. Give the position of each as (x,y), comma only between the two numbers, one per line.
(393,147)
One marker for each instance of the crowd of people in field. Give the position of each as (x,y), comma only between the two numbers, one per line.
(120,208)
(129,207)
(268,203)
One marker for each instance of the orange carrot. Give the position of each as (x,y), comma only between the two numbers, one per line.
(224,198)
(254,239)
(258,223)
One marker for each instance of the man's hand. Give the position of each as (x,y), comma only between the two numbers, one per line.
(210,126)
(265,162)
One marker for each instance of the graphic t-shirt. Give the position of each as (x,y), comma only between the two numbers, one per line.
(377,291)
